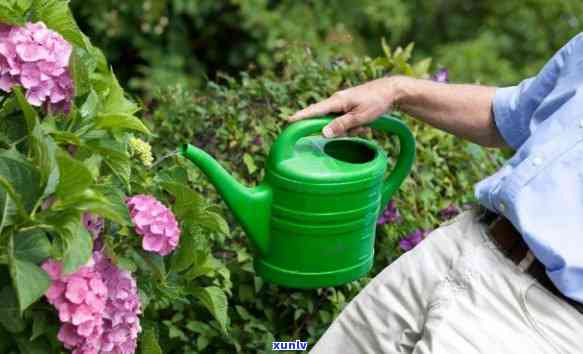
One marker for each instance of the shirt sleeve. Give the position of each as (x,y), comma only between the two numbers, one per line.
(515,106)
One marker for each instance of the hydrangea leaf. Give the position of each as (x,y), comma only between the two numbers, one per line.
(10,16)
(215,300)
(40,324)
(75,176)
(29,112)
(116,102)
(58,17)
(78,250)
(114,157)
(78,67)
(120,121)
(9,313)
(89,108)
(32,246)
(8,210)
(30,281)
(20,179)
(188,202)
(183,257)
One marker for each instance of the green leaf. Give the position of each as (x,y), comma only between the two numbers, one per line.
(58,17)
(8,210)
(26,346)
(188,203)
(10,16)
(116,200)
(213,222)
(183,257)
(116,102)
(9,313)
(248,160)
(20,178)
(30,282)
(29,113)
(78,251)
(89,108)
(32,246)
(115,158)
(149,342)
(40,324)
(75,176)
(43,152)
(94,202)
(203,263)
(126,264)
(78,66)
(215,300)
(120,121)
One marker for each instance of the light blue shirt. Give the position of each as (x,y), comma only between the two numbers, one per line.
(540,189)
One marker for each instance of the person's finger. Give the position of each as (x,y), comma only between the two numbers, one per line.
(332,104)
(342,124)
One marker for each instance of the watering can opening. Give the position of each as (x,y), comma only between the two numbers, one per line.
(351,151)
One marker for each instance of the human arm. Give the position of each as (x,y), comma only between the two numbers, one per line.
(463,110)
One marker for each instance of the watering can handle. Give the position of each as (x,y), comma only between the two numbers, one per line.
(283,147)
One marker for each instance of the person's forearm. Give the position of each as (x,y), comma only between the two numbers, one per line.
(462,110)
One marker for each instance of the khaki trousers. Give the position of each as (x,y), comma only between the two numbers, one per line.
(454,293)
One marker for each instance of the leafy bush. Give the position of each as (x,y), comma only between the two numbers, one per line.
(62,173)
(158,43)
(237,119)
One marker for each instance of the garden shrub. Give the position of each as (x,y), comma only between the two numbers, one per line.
(155,43)
(237,119)
(72,151)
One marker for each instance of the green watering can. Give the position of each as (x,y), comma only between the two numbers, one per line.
(313,219)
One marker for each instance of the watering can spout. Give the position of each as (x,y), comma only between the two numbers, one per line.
(251,206)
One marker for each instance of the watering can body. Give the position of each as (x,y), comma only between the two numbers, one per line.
(313,218)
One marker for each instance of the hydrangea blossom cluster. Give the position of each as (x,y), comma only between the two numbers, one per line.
(98,306)
(390,215)
(80,299)
(121,324)
(38,59)
(413,239)
(155,223)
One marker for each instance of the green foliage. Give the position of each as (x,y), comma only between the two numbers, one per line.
(236,120)
(157,43)
(55,168)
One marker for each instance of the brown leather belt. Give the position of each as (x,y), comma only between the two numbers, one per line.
(511,243)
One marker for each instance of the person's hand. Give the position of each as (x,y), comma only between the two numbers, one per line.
(360,104)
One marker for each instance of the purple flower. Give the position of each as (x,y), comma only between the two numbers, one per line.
(257,140)
(390,215)
(413,239)
(449,212)
(442,75)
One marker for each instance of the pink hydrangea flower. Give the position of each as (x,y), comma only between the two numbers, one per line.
(80,299)
(36,58)
(121,324)
(155,223)
(98,306)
